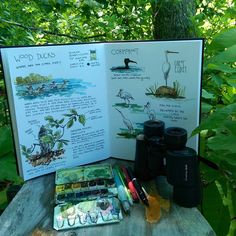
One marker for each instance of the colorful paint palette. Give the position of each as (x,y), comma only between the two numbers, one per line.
(87,213)
(85,196)
(84,173)
(87,183)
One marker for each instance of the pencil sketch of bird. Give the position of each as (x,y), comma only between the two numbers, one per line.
(150,112)
(126,122)
(126,96)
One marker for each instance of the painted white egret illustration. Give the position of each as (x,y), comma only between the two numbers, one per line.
(126,96)
(166,66)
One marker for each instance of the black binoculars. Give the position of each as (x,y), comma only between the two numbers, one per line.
(163,151)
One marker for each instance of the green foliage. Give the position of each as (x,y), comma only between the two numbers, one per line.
(212,207)
(69,21)
(8,175)
(214,16)
(64,21)
(4,115)
(218,128)
(6,144)
(8,172)
(32,79)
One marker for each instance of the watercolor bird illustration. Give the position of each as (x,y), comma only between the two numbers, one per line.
(126,122)
(150,112)
(125,67)
(126,96)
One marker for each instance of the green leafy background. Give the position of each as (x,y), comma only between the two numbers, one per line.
(69,21)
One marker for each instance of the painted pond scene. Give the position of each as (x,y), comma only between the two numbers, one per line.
(38,86)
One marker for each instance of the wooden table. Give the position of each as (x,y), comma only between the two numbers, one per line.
(31,213)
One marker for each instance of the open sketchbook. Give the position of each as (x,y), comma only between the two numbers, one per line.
(80,103)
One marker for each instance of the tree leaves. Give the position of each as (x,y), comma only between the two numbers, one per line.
(70,123)
(6,144)
(219,119)
(82,119)
(220,67)
(47,139)
(8,168)
(60,21)
(224,39)
(228,55)
(223,142)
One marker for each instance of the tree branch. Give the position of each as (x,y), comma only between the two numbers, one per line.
(49,32)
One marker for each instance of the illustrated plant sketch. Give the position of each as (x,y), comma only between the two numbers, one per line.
(50,142)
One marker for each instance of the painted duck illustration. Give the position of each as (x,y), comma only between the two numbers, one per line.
(166,66)
(125,96)
(64,84)
(126,122)
(30,89)
(40,89)
(125,67)
(53,85)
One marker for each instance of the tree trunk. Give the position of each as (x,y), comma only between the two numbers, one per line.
(172,19)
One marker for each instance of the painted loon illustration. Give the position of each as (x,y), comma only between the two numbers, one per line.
(126,67)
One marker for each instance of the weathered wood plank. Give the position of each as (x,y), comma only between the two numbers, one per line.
(32,208)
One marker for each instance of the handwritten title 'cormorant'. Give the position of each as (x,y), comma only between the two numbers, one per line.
(126,51)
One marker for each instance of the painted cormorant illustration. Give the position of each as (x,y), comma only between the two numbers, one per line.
(166,66)
(126,122)
(151,113)
(126,67)
(125,95)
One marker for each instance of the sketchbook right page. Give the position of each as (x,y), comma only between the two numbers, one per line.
(152,80)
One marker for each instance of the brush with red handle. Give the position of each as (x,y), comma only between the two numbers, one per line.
(130,185)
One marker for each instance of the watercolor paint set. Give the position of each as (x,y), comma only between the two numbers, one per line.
(85,196)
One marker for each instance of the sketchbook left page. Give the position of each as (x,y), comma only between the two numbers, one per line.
(57,97)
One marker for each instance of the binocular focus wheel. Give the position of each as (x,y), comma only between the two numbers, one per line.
(175,137)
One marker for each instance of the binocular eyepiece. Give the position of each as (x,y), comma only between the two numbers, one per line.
(163,151)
